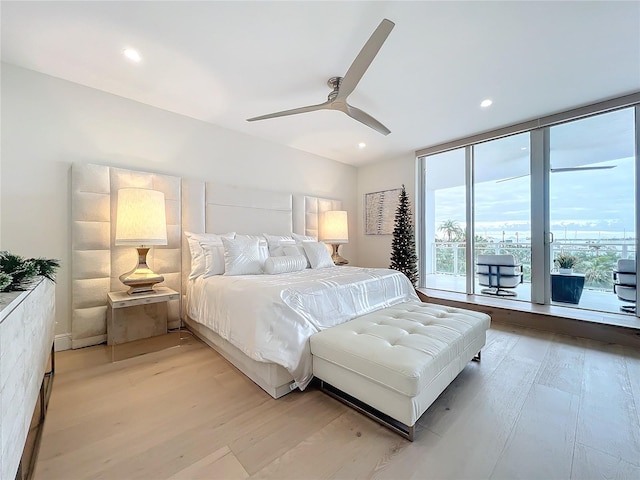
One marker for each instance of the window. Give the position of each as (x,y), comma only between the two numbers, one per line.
(446,267)
(562,187)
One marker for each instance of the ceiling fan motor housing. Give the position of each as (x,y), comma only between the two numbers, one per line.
(334,82)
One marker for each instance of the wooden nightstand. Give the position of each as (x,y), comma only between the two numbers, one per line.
(133,318)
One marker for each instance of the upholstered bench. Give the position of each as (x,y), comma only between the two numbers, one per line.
(393,363)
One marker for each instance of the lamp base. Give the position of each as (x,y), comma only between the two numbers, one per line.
(141,279)
(335,256)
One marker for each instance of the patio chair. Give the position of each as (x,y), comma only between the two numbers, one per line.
(498,273)
(624,283)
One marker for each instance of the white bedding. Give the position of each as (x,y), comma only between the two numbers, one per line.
(271,317)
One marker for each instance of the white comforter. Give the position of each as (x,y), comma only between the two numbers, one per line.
(271,317)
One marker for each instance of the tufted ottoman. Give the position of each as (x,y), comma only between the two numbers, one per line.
(393,363)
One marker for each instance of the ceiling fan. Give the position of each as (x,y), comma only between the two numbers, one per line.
(344,86)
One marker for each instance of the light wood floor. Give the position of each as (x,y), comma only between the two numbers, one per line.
(539,406)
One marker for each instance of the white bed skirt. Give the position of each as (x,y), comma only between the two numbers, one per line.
(272,378)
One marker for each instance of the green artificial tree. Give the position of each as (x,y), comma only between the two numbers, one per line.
(403,247)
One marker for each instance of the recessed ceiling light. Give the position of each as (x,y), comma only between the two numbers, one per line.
(486,103)
(523,148)
(132,55)
(361,145)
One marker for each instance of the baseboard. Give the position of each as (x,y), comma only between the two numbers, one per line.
(89,341)
(62,342)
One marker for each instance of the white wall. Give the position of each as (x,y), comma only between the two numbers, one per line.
(375,250)
(48,124)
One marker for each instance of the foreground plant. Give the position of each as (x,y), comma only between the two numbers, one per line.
(17,273)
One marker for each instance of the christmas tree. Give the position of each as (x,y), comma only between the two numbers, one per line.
(403,246)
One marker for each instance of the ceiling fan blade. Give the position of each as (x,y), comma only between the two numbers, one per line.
(560,170)
(365,118)
(575,169)
(511,178)
(364,58)
(293,111)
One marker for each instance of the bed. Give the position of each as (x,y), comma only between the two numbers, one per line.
(270,318)
(262,323)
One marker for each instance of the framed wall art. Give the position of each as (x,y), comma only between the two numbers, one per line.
(380,211)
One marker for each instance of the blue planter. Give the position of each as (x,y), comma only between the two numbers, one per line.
(567,288)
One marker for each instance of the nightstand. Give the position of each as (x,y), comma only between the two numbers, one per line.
(132,319)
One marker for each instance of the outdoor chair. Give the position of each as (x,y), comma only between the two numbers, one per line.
(624,283)
(498,273)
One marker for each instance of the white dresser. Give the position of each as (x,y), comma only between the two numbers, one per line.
(26,338)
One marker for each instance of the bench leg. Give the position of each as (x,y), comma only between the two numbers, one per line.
(400,428)
(478,356)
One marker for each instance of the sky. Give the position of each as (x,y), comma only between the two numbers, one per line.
(586,204)
(589,204)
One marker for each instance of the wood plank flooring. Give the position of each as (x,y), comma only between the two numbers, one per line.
(538,406)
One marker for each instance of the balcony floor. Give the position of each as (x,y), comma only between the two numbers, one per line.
(595,305)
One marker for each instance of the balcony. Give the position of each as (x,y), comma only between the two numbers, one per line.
(597,261)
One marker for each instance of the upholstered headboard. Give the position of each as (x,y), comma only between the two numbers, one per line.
(216,208)
(307,211)
(97,262)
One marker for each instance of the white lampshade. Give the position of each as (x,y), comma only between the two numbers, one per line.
(334,228)
(141,217)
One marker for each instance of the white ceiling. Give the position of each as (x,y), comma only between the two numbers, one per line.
(223,62)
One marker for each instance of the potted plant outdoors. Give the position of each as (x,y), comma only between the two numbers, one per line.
(566,287)
(565,263)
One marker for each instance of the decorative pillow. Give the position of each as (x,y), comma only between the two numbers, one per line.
(274,265)
(262,244)
(277,243)
(198,261)
(303,238)
(296,250)
(318,255)
(213,259)
(242,257)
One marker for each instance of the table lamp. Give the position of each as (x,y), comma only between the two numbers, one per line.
(334,230)
(141,222)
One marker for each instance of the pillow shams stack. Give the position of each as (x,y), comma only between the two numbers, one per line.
(207,253)
(277,243)
(297,248)
(303,238)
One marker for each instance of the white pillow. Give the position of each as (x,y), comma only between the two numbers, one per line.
(213,259)
(198,261)
(262,244)
(296,250)
(303,238)
(318,255)
(277,243)
(242,257)
(274,265)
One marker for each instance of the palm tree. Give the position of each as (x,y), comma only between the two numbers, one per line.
(452,230)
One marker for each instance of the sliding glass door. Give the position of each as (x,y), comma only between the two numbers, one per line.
(445,233)
(592,207)
(502,203)
(550,196)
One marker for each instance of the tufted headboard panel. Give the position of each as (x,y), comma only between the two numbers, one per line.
(308,210)
(97,262)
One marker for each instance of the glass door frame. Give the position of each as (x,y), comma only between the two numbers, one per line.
(540,167)
(541,236)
